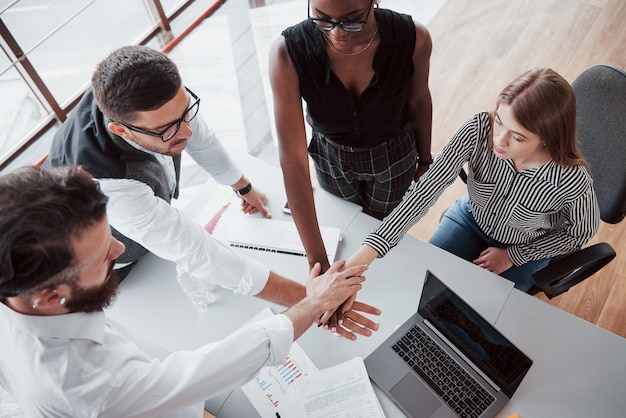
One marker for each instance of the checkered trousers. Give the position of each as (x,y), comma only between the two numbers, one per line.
(374,178)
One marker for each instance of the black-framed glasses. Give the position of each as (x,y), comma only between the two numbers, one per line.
(347,25)
(172,129)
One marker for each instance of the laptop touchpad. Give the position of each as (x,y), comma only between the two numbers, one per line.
(414,396)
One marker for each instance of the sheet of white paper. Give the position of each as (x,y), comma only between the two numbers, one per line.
(271,392)
(342,391)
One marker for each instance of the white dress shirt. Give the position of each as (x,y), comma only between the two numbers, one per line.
(76,365)
(136,212)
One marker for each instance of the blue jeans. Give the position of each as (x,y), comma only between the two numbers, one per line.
(459,234)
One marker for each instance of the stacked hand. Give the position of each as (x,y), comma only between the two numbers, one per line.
(347,320)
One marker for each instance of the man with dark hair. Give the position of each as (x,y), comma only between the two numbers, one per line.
(129,131)
(59,357)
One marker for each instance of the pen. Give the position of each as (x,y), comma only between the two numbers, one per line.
(277,415)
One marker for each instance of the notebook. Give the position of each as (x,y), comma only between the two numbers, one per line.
(446,360)
(276,236)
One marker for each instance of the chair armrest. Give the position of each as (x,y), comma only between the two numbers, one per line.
(571,269)
(463,175)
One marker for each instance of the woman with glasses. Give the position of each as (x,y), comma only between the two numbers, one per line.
(363,73)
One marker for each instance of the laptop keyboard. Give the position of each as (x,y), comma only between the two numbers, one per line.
(453,384)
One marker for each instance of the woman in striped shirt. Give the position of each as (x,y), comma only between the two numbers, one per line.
(530,196)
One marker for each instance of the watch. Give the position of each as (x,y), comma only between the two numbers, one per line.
(244,190)
(426,162)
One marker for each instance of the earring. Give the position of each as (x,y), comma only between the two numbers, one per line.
(34,305)
(62,301)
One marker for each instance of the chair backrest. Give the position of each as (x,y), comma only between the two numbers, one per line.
(601,118)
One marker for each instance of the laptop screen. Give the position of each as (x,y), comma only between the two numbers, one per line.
(480,341)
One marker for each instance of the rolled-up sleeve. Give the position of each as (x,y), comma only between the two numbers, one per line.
(208,151)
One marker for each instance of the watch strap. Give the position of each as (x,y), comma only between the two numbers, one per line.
(426,162)
(244,190)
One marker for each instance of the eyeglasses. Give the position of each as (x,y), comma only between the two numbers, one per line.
(172,129)
(347,25)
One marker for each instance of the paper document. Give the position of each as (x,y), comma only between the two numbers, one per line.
(342,391)
(271,392)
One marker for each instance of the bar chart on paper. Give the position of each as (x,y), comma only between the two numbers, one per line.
(271,391)
(289,371)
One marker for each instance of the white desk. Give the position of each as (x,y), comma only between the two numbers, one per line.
(151,302)
(331,211)
(579,370)
(394,285)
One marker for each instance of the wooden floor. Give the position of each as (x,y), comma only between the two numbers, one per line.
(478,48)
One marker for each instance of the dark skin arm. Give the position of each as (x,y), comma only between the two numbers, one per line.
(419,99)
(420,106)
(294,160)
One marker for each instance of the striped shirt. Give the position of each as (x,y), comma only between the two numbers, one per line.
(536,213)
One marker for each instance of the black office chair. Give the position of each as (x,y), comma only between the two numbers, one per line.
(601,118)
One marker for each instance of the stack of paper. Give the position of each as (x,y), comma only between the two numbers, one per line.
(297,388)
(342,391)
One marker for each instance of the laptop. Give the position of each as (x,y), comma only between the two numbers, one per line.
(446,360)
(276,236)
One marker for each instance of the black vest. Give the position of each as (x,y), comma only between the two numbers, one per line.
(84,139)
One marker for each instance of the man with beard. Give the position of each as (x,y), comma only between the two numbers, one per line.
(59,357)
(129,130)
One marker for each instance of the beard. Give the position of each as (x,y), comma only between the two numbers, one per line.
(94,299)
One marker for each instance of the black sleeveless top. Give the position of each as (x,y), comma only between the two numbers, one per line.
(381,111)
